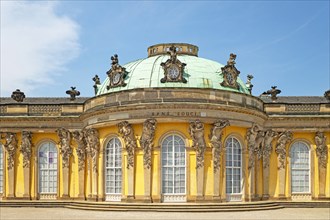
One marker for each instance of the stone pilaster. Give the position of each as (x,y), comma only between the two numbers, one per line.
(266,152)
(146,142)
(11,184)
(95,177)
(79,137)
(127,132)
(265,173)
(216,144)
(258,181)
(81,176)
(65,177)
(216,185)
(200,183)
(282,141)
(26,150)
(11,147)
(196,131)
(322,182)
(130,183)
(322,155)
(26,194)
(251,189)
(147,189)
(89,178)
(91,136)
(281,183)
(66,152)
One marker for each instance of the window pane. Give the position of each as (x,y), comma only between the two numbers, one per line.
(300,171)
(233,166)
(113,162)
(173,165)
(47,163)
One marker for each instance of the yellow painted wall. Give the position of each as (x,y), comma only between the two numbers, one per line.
(162,130)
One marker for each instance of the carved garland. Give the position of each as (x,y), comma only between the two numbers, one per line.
(148,134)
(196,131)
(321,149)
(65,146)
(93,145)
(10,146)
(283,139)
(26,148)
(127,132)
(79,137)
(267,147)
(251,135)
(215,140)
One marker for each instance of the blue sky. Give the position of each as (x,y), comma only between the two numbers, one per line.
(46,47)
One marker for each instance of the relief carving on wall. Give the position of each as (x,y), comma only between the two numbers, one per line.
(196,131)
(79,137)
(215,140)
(127,132)
(10,146)
(259,142)
(321,149)
(26,148)
(147,137)
(65,147)
(254,137)
(267,147)
(93,145)
(284,138)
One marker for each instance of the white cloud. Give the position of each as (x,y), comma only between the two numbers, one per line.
(36,43)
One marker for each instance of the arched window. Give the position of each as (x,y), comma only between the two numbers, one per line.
(233,169)
(113,170)
(300,168)
(1,168)
(47,168)
(173,169)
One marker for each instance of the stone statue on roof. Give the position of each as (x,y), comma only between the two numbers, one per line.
(272,92)
(231,61)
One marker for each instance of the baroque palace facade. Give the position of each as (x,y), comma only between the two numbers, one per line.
(172,127)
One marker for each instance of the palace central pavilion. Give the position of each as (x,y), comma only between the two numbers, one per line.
(172,127)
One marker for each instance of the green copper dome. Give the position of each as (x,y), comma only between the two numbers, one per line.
(148,72)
